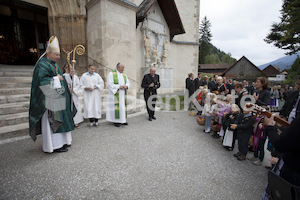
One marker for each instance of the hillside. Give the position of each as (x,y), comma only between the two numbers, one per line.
(283,63)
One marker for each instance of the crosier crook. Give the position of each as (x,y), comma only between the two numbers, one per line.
(79,49)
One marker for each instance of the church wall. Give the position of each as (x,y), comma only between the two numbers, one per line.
(120,40)
(94,36)
(156,28)
(189,14)
(112,37)
(140,61)
(184,57)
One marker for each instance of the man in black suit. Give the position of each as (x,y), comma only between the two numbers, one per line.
(150,84)
(212,85)
(190,86)
(250,88)
(198,81)
(291,108)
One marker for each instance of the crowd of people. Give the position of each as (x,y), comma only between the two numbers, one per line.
(228,112)
(220,85)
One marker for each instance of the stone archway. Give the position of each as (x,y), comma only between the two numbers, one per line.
(67,20)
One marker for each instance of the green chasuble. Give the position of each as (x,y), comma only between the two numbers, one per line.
(117,104)
(43,74)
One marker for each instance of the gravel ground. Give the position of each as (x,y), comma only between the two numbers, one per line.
(168,158)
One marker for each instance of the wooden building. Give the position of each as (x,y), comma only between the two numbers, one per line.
(217,69)
(271,71)
(243,69)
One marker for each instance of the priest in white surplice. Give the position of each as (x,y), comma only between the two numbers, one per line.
(118,85)
(93,84)
(50,112)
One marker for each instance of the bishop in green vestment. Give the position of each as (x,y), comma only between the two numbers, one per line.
(50,112)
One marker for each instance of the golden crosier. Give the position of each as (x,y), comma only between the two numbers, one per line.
(79,50)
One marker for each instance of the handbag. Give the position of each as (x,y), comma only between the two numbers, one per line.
(279,189)
(227,141)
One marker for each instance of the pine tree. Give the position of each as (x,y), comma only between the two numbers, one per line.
(293,72)
(286,34)
(204,40)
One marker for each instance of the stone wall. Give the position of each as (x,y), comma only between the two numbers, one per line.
(112,36)
(185,56)
(157,29)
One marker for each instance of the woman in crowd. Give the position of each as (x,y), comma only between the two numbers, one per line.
(262,95)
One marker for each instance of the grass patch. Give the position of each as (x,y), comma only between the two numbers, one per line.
(172,103)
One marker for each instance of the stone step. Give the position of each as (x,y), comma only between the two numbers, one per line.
(15,82)
(16,70)
(14,98)
(22,129)
(16,113)
(14,131)
(14,91)
(18,98)
(12,108)
(17,73)
(13,119)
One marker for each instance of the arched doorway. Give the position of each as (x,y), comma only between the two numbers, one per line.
(23,32)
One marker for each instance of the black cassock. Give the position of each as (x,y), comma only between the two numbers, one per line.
(149,91)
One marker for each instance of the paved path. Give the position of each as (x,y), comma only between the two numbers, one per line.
(170,158)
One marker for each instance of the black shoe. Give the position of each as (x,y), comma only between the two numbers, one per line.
(150,118)
(67,146)
(153,117)
(117,124)
(60,150)
(125,123)
(215,135)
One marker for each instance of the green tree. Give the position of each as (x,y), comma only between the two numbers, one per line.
(204,40)
(226,58)
(293,73)
(212,59)
(286,34)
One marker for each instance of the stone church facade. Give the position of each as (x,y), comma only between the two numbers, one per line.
(140,34)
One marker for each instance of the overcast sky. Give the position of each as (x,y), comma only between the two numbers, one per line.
(239,27)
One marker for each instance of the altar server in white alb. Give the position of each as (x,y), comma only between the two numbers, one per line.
(93,84)
(118,85)
(73,81)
